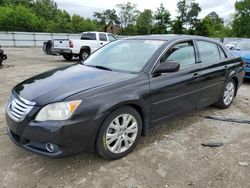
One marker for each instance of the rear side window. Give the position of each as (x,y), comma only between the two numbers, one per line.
(102,37)
(88,36)
(208,51)
(111,38)
(182,53)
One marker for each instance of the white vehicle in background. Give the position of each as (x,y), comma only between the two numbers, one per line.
(231,44)
(82,48)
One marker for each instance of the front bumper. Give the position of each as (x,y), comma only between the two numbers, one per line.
(69,137)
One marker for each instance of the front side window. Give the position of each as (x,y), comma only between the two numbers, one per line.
(208,51)
(102,37)
(111,37)
(182,53)
(125,55)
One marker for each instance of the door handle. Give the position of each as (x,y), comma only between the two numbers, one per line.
(101,43)
(226,67)
(196,75)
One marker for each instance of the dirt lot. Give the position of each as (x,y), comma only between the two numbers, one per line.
(171,156)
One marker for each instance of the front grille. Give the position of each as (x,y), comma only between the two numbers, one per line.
(18,108)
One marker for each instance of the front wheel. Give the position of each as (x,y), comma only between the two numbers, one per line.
(228,95)
(119,133)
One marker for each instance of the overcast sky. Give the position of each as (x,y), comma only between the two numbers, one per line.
(86,7)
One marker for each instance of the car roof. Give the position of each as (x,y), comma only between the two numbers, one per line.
(169,37)
(96,32)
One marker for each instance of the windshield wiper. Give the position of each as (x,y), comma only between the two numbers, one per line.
(97,66)
(102,67)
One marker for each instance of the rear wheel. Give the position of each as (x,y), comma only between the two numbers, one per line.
(84,54)
(119,133)
(68,57)
(228,95)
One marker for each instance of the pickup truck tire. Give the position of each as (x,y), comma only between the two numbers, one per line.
(68,57)
(1,61)
(84,54)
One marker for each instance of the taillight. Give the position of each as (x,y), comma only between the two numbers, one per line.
(71,44)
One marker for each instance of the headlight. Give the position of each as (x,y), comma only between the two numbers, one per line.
(58,111)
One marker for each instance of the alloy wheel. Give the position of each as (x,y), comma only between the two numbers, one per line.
(229,93)
(121,133)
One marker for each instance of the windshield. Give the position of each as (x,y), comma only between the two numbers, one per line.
(124,55)
(243,45)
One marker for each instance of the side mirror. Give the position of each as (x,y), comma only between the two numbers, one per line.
(167,67)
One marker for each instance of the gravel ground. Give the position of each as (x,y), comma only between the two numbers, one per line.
(171,156)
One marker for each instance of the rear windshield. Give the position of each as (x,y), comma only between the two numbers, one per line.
(88,36)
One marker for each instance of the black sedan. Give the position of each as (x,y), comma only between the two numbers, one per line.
(119,93)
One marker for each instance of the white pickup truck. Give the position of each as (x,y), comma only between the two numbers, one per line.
(90,42)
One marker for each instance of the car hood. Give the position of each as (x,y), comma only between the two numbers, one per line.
(59,84)
(242,53)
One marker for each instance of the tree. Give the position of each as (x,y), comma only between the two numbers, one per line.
(187,19)
(128,14)
(241,22)
(106,17)
(162,20)
(46,9)
(80,24)
(26,3)
(18,18)
(215,26)
(144,22)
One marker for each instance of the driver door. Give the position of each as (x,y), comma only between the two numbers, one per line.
(174,94)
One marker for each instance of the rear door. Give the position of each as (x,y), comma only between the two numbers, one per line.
(214,68)
(173,94)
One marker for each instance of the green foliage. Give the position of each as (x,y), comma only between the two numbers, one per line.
(18,18)
(162,20)
(128,14)
(44,16)
(144,22)
(40,16)
(187,19)
(241,22)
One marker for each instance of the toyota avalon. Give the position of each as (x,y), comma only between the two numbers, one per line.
(120,93)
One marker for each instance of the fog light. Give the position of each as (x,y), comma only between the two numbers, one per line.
(50,147)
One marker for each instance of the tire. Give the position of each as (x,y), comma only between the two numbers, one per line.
(68,57)
(228,95)
(84,54)
(124,137)
(1,60)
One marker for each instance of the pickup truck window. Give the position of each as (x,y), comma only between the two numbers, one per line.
(111,37)
(102,37)
(88,36)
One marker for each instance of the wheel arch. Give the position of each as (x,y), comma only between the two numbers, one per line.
(86,48)
(235,79)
